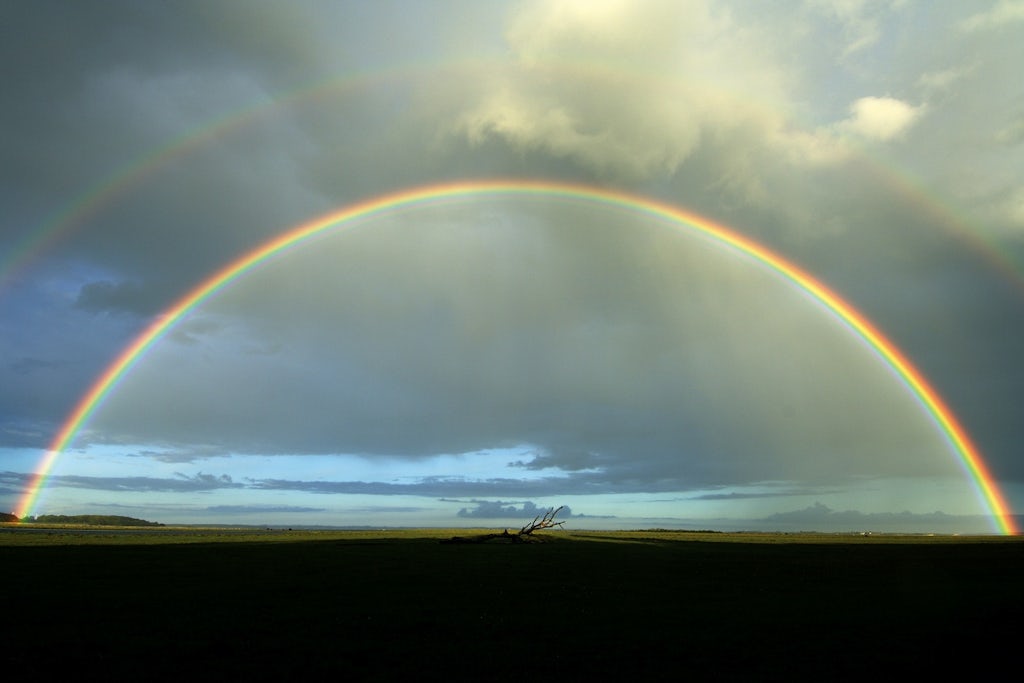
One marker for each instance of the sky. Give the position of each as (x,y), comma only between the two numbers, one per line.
(479,358)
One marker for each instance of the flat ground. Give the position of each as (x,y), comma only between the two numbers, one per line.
(400,605)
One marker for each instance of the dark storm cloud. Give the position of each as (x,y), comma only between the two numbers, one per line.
(62,126)
(111,85)
(92,93)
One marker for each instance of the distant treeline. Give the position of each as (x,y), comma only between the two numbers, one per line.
(92,520)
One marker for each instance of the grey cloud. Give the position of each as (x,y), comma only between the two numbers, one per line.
(115,297)
(735,495)
(195,329)
(433,487)
(25,433)
(13,483)
(821,517)
(565,460)
(492,509)
(176,456)
(211,480)
(180,484)
(53,54)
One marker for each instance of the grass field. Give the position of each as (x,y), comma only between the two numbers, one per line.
(232,604)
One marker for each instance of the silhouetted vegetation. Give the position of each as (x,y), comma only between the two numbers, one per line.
(90,520)
(8,517)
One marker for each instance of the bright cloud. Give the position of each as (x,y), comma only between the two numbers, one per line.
(880,118)
(626,90)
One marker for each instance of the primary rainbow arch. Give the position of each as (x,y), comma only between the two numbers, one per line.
(929,398)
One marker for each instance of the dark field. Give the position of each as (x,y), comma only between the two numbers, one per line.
(586,605)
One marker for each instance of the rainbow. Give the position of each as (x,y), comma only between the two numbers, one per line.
(123,179)
(950,219)
(104,193)
(458,191)
(127,177)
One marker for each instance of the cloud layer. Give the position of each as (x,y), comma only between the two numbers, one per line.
(877,145)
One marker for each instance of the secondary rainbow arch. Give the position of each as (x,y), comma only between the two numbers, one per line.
(122,180)
(968,453)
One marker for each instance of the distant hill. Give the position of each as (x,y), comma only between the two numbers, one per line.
(93,520)
(8,517)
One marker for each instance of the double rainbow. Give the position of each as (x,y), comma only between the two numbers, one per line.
(929,398)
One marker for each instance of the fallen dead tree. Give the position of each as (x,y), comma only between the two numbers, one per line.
(524,535)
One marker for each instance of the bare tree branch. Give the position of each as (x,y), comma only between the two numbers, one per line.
(525,534)
(547,521)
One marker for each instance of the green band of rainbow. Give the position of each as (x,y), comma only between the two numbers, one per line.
(929,398)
